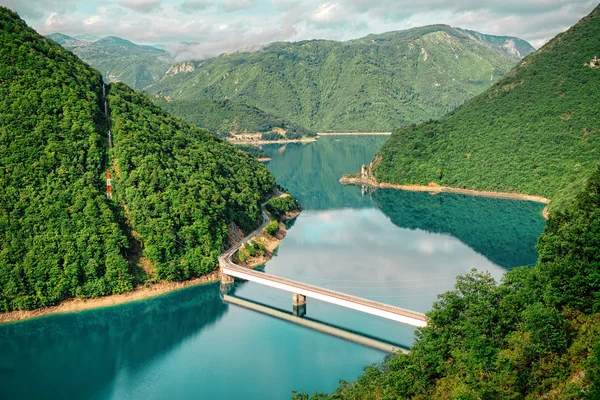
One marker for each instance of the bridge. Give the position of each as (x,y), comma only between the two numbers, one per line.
(300,291)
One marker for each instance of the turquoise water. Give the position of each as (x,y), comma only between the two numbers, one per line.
(397,247)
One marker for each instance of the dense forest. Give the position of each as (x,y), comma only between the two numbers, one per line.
(180,186)
(537,131)
(535,335)
(60,238)
(375,83)
(176,187)
(226,117)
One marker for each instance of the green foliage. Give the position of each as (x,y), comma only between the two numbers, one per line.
(229,117)
(59,238)
(182,185)
(280,206)
(536,131)
(272,228)
(119,60)
(536,335)
(271,136)
(250,250)
(375,83)
(254,151)
(176,187)
(570,252)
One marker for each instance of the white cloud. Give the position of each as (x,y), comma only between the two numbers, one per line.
(37,9)
(237,5)
(228,25)
(143,6)
(191,6)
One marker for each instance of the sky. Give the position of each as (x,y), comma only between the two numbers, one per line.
(219,26)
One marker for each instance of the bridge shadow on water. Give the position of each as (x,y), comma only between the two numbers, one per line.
(76,355)
(299,317)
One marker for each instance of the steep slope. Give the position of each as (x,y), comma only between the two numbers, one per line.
(371,84)
(537,131)
(226,117)
(181,186)
(59,237)
(119,60)
(176,187)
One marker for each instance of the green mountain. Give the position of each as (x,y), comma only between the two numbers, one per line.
(536,131)
(119,60)
(177,188)
(534,336)
(226,117)
(375,83)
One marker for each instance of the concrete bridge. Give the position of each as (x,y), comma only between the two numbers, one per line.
(300,291)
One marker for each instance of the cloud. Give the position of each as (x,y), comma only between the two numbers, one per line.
(228,25)
(225,38)
(191,6)
(38,9)
(238,5)
(143,6)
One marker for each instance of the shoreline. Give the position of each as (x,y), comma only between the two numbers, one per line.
(285,141)
(354,134)
(139,293)
(444,189)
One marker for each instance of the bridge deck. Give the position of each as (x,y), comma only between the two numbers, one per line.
(345,300)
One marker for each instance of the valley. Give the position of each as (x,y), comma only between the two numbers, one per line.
(173,223)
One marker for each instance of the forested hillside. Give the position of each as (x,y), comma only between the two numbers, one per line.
(226,117)
(119,60)
(180,186)
(375,83)
(176,187)
(537,131)
(59,237)
(536,335)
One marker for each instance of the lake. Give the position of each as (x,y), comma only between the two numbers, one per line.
(396,247)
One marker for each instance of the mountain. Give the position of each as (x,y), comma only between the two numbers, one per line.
(87,37)
(535,335)
(536,131)
(226,117)
(375,83)
(119,60)
(177,188)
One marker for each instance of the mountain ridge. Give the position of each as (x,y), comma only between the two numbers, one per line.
(374,83)
(533,132)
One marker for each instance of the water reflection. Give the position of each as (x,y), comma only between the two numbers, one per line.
(504,231)
(76,355)
(312,171)
(396,247)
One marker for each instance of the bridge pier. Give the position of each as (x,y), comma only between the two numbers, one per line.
(298,300)
(226,279)
(299,304)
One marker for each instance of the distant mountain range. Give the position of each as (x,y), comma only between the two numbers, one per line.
(375,83)
(226,117)
(119,60)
